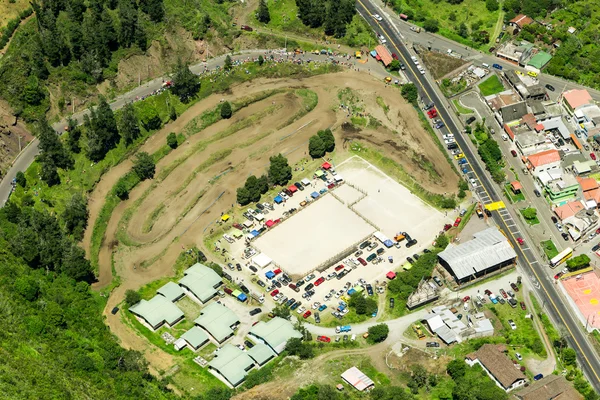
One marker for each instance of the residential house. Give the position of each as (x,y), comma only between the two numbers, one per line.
(498,366)
(551,387)
(575,98)
(544,161)
(519,22)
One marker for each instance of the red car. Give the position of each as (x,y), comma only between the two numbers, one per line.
(394,56)
(447,227)
(520,241)
(307,314)
(466,298)
(362,261)
(274,293)
(514,153)
(339,267)
(598,231)
(457,221)
(514,287)
(503,293)
(432,113)
(523,306)
(557,276)
(323,339)
(593,156)
(487,292)
(318,282)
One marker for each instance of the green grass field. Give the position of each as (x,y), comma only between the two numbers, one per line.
(461,109)
(549,249)
(533,221)
(490,86)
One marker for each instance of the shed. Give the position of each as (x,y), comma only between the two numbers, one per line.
(217,320)
(292,188)
(516,186)
(305,182)
(390,275)
(254,233)
(225,217)
(385,55)
(232,364)
(326,165)
(275,333)
(261,260)
(278,199)
(314,195)
(195,338)
(157,311)
(270,223)
(259,217)
(242,297)
(179,344)
(201,281)
(357,379)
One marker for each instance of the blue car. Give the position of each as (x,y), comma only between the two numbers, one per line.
(462,161)
(323,306)
(439,125)
(465,170)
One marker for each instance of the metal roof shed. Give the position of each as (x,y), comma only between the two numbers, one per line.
(232,364)
(275,333)
(261,353)
(357,379)
(195,337)
(171,291)
(217,320)
(201,281)
(157,311)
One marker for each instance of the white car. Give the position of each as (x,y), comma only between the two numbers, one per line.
(301,310)
(422,71)
(519,356)
(362,281)
(284,196)
(278,296)
(512,324)
(448,137)
(378,17)
(382,39)
(327,297)
(559,227)
(448,141)
(455,152)
(316,305)
(473,182)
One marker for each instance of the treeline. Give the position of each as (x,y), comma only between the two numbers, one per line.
(12,25)
(279,173)
(321,143)
(79,37)
(332,15)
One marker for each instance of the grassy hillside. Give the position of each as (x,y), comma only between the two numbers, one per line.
(9,9)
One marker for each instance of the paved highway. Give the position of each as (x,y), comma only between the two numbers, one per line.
(486,191)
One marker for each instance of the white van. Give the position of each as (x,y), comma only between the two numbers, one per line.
(485,65)
(504,137)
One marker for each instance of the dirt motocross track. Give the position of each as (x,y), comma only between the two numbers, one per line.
(196,182)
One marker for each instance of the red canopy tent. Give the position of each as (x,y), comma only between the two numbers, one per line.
(270,223)
(292,188)
(390,275)
(326,165)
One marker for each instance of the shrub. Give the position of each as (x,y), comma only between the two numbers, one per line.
(226,110)
(378,333)
(172,140)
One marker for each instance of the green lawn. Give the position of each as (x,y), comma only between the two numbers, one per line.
(461,109)
(491,85)
(512,196)
(549,249)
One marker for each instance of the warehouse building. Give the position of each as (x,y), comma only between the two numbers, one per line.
(231,365)
(487,252)
(171,291)
(195,338)
(275,333)
(201,282)
(156,312)
(261,354)
(218,320)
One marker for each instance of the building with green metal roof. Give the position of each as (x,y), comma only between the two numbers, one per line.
(218,320)
(195,338)
(232,364)
(261,354)
(540,60)
(157,311)
(201,281)
(275,333)
(171,291)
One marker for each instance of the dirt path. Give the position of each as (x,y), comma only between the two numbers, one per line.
(547,365)
(190,185)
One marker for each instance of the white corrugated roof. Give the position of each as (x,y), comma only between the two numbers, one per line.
(488,248)
(357,378)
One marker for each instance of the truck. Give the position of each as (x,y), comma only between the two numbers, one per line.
(258,297)
(345,328)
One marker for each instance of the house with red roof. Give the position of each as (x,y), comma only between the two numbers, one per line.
(544,161)
(574,98)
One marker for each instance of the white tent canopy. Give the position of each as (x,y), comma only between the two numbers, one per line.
(261,260)
(259,217)
(305,182)
(248,223)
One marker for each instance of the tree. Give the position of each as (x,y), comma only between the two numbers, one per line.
(144,166)
(261,60)
(49,172)
(226,110)
(395,65)
(462,30)
(492,5)
(120,190)
(358,301)
(410,93)
(185,84)
(569,356)
(263,184)
(529,213)
(51,147)
(378,333)
(128,21)
(76,215)
(419,375)
(442,241)
(102,132)
(279,171)
(73,136)
(172,113)
(27,286)
(154,8)
(263,12)
(132,297)
(216,393)
(328,139)
(456,369)
(227,65)
(253,187)
(243,196)
(172,140)
(129,124)
(281,312)
(316,147)
(579,262)
(431,25)
(75,265)
(21,180)
(296,347)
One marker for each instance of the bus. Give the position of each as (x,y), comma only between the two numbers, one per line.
(561,257)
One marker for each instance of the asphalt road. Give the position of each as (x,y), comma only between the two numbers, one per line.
(486,190)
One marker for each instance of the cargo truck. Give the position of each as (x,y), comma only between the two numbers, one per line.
(345,328)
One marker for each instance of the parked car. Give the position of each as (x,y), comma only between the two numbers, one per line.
(537,193)
(114,310)
(523,307)
(550,87)
(432,344)
(565,236)
(438,281)
(307,314)
(470,120)
(362,261)
(514,287)
(255,311)
(392,302)
(519,356)
(503,293)
(457,221)
(323,339)
(319,281)
(514,153)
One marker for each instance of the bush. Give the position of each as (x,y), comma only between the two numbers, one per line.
(296,347)
(529,213)
(120,190)
(579,262)
(226,111)
(431,25)
(21,180)
(316,147)
(144,166)
(569,356)
(378,333)
(410,93)
(132,297)
(172,140)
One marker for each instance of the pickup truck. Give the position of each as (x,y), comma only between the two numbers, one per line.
(345,328)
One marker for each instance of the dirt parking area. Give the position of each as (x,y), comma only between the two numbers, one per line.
(312,236)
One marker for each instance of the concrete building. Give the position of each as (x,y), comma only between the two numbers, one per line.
(445,324)
(218,320)
(517,53)
(157,312)
(201,282)
(551,387)
(563,189)
(531,90)
(532,142)
(544,161)
(275,333)
(231,365)
(575,98)
(507,106)
(487,252)
(498,366)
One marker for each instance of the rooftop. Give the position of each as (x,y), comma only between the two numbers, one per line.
(202,281)
(196,337)
(217,320)
(492,357)
(261,353)
(544,158)
(357,378)
(569,209)
(232,363)
(171,291)
(275,333)
(516,185)
(558,124)
(577,97)
(587,184)
(157,311)
(488,248)
(540,60)
(521,20)
(549,387)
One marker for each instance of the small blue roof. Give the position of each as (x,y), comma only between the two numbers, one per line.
(373,53)
(388,243)
(255,233)
(314,195)
(278,199)
(242,297)
(270,274)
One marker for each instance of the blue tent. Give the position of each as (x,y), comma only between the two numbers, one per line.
(388,243)
(242,297)
(270,274)
(314,195)
(278,199)
(373,53)
(255,233)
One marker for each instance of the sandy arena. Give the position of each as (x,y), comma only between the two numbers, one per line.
(315,234)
